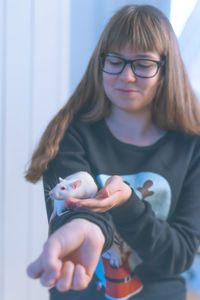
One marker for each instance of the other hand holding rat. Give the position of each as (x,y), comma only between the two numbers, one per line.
(69,256)
(114,193)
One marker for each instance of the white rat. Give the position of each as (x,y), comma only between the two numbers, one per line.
(78,185)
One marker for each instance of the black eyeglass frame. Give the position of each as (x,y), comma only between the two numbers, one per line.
(160,63)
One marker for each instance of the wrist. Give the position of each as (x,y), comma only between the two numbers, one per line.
(127,191)
(69,233)
(95,231)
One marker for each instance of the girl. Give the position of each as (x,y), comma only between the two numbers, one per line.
(133,123)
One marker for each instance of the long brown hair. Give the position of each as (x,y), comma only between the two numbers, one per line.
(144,28)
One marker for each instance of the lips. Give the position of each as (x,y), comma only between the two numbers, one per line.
(128,91)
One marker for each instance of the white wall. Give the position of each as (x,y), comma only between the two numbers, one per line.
(45,47)
(34,84)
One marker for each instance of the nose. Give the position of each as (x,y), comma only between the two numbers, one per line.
(127,74)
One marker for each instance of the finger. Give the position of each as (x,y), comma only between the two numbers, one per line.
(69,205)
(51,263)
(65,281)
(48,279)
(51,252)
(106,202)
(95,203)
(113,184)
(71,202)
(102,193)
(89,202)
(35,269)
(81,279)
(50,275)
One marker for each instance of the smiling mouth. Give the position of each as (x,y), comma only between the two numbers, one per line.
(128,91)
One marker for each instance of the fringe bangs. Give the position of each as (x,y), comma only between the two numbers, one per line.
(138,29)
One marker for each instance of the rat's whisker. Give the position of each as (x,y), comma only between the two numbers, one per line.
(48,198)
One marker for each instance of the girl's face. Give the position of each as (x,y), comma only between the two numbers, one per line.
(128,92)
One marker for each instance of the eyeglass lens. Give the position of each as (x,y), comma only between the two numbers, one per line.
(141,67)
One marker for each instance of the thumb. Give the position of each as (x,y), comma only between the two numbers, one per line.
(35,269)
(47,264)
(112,185)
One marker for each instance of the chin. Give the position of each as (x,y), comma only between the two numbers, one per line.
(134,108)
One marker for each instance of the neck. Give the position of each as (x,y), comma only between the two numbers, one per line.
(136,128)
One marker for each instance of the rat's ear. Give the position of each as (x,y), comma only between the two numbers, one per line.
(76,184)
(61,179)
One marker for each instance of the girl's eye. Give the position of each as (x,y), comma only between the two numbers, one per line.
(145,66)
(115,63)
(63,188)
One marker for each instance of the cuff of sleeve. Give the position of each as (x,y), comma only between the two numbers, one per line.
(131,209)
(104,221)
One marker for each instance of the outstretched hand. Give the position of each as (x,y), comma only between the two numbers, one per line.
(69,256)
(114,193)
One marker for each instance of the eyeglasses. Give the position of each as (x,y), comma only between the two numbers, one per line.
(144,68)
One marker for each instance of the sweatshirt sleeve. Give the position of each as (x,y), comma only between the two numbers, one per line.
(169,246)
(72,158)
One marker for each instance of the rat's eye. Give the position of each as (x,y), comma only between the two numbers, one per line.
(63,188)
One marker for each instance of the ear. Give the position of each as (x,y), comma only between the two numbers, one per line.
(61,179)
(76,184)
